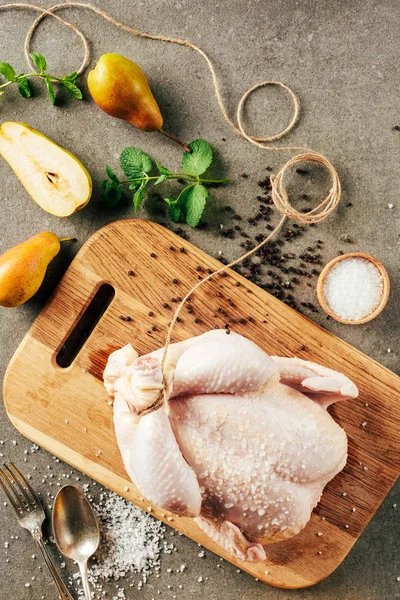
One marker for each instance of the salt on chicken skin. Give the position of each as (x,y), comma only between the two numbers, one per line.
(247,446)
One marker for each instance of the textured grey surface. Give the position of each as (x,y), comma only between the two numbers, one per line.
(342,59)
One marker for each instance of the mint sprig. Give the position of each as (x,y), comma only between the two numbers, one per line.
(22,80)
(138,166)
(199,159)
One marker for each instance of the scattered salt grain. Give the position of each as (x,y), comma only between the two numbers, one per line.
(353,288)
(132,541)
(200,579)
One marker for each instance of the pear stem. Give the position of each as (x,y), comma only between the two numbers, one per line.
(61,240)
(173,138)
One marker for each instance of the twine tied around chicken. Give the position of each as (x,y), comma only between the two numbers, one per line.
(279,194)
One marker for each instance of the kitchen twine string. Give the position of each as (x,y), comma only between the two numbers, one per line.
(278,193)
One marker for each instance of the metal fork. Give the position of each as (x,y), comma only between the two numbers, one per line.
(30,515)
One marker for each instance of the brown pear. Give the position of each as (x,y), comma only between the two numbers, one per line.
(22,268)
(120,88)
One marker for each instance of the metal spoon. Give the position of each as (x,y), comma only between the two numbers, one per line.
(76,529)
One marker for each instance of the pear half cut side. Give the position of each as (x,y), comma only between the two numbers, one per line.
(55,179)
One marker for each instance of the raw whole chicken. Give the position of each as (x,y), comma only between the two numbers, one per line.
(247,446)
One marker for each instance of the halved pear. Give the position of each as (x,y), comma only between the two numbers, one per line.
(54,177)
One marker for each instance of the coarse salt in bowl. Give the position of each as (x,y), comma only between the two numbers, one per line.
(353,288)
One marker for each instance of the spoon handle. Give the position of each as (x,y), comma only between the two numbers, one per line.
(85,581)
(62,590)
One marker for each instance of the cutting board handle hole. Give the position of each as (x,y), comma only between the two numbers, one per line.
(84,327)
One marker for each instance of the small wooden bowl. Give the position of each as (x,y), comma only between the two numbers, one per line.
(385,290)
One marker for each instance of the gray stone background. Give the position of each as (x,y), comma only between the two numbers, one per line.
(342,58)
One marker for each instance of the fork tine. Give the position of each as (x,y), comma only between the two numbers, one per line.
(17,508)
(17,481)
(7,474)
(27,485)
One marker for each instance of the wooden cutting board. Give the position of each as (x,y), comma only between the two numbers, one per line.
(66,410)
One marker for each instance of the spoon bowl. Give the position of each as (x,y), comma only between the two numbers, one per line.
(76,529)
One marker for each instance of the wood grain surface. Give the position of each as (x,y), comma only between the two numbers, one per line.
(66,410)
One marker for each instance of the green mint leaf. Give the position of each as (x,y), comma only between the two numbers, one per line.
(7,71)
(163,170)
(111,193)
(72,88)
(23,87)
(138,197)
(111,174)
(197,161)
(133,162)
(162,178)
(71,77)
(194,203)
(135,185)
(50,89)
(39,61)
(174,212)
